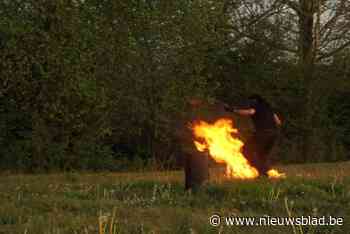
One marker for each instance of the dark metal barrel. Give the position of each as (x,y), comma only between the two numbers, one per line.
(196,170)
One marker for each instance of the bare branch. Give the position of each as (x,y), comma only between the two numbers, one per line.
(330,54)
(333,20)
(268,42)
(340,34)
(293,5)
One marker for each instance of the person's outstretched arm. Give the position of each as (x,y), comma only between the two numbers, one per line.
(240,111)
(245,112)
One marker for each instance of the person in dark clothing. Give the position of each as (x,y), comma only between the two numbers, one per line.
(258,147)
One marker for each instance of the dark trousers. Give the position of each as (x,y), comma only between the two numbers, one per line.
(257,150)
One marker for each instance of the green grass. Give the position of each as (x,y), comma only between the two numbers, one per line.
(155,202)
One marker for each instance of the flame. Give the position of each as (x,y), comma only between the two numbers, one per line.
(273,173)
(218,139)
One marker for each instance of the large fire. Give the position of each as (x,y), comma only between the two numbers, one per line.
(224,147)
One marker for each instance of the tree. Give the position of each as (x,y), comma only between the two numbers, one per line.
(310,32)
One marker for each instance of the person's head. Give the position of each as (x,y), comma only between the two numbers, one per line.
(258,99)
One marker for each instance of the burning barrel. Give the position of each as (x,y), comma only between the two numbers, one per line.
(208,135)
(196,163)
(196,170)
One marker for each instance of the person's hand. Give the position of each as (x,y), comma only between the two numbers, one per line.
(278,121)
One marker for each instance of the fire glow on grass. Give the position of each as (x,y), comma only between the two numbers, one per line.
(223,147)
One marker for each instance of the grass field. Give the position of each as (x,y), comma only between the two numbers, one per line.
(155,202)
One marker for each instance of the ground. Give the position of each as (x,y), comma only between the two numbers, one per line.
(155,202)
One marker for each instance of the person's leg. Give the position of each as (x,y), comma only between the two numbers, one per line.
(250,151)
(265,144)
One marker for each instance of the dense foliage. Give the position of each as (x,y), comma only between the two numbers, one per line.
(95,84)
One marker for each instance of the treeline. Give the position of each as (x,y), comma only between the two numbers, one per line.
(99,84)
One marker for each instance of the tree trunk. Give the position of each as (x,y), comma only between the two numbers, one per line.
(39,144)
(307,60)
